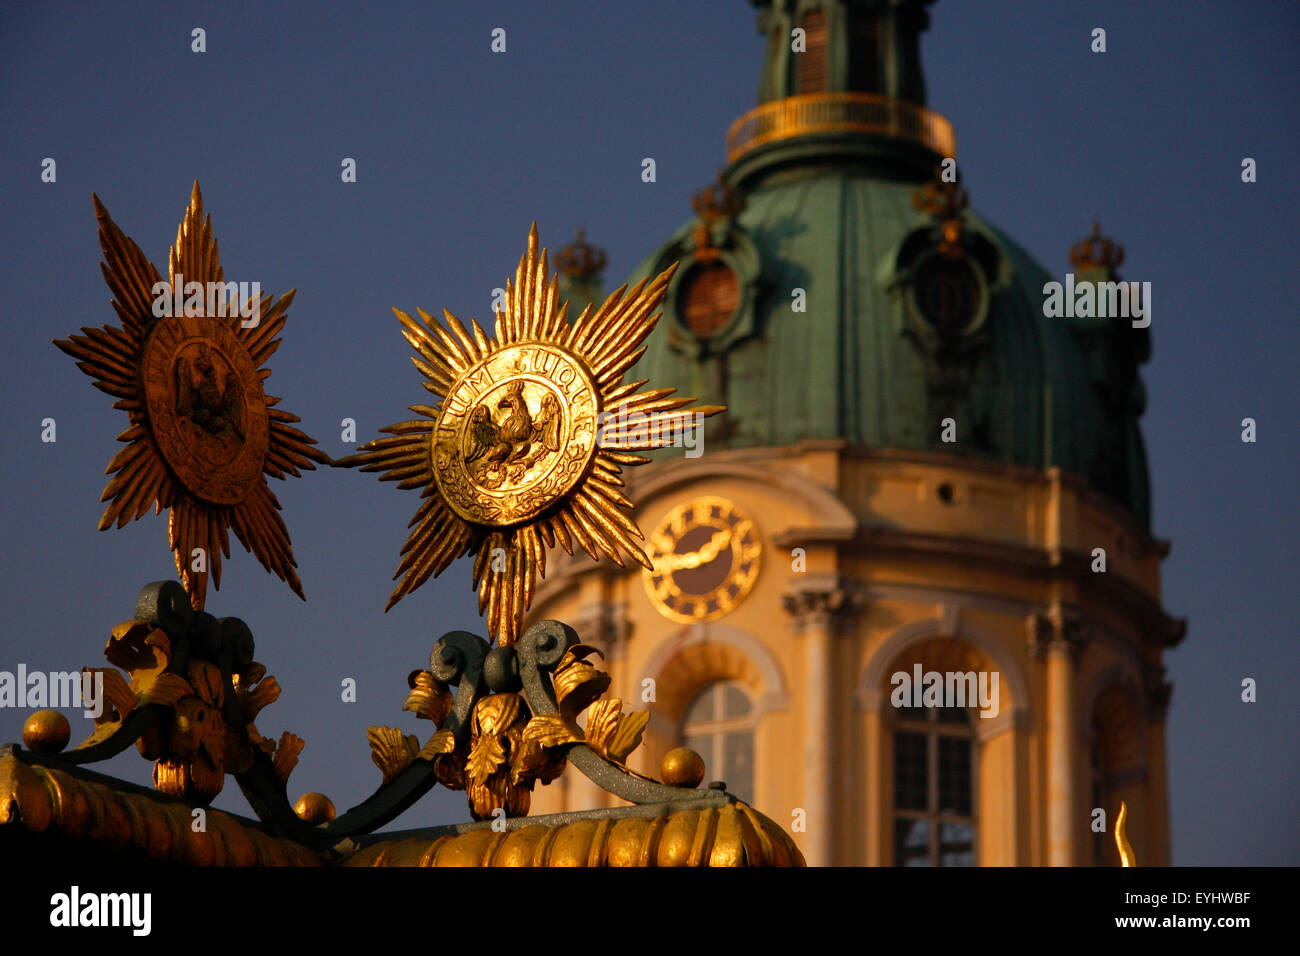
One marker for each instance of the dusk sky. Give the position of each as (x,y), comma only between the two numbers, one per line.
(458,149)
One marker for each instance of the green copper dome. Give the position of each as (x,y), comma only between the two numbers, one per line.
(835,286)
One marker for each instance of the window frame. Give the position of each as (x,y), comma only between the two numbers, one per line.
(718,727)
(931,728)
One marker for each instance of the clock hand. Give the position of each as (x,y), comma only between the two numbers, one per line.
(694,559)
(711,550)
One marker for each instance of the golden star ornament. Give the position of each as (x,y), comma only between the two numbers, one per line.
(525,446)
(203,434)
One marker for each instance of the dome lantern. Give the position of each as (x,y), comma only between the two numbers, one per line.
(856,260)
(841,79)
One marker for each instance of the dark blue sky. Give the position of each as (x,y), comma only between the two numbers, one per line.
(459,149)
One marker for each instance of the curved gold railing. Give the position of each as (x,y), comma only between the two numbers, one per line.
(837,113)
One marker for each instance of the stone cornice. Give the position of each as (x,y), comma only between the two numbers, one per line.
(1037,562)
(1019,473)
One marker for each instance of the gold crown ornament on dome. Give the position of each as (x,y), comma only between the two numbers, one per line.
(945,201)
(1096,251)
(717,201)
(580,259)
(940,198)
(714,204)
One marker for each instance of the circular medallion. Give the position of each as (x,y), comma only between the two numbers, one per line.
(206,407)
(706,555)
(516,433)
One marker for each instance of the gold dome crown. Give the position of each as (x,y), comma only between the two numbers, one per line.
(1097,251)
(717,201)
(580,259)
(941,199)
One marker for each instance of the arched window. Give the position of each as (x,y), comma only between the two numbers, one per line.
(934,804)
(719,726)
(864,52)
(1115,756)
(1104,852)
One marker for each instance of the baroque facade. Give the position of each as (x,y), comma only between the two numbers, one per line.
(919,471)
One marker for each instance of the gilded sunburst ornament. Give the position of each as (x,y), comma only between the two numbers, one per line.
(524,448)
(203,433)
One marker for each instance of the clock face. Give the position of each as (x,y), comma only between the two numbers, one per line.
(706,555)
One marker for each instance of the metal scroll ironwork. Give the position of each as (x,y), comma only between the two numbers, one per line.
(194,680)
(523,452)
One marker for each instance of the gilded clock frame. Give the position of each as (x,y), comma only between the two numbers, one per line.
(742,581)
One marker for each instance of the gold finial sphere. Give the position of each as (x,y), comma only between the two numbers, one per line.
(46,731)
(682,767)
(314,808)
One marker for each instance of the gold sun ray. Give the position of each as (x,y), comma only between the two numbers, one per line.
(525,445)
(203,434)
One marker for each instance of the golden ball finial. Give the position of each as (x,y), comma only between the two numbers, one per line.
(314,808)
(46,732)
(682,767)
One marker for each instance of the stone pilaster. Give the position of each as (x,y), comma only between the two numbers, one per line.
(1059,638)
(819,609)
(604,626)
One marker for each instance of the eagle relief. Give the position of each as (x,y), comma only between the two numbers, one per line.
(209,401)
(206,405)
(507,450)
(515,434)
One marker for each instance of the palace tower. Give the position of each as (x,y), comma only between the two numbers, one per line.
(918,471)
